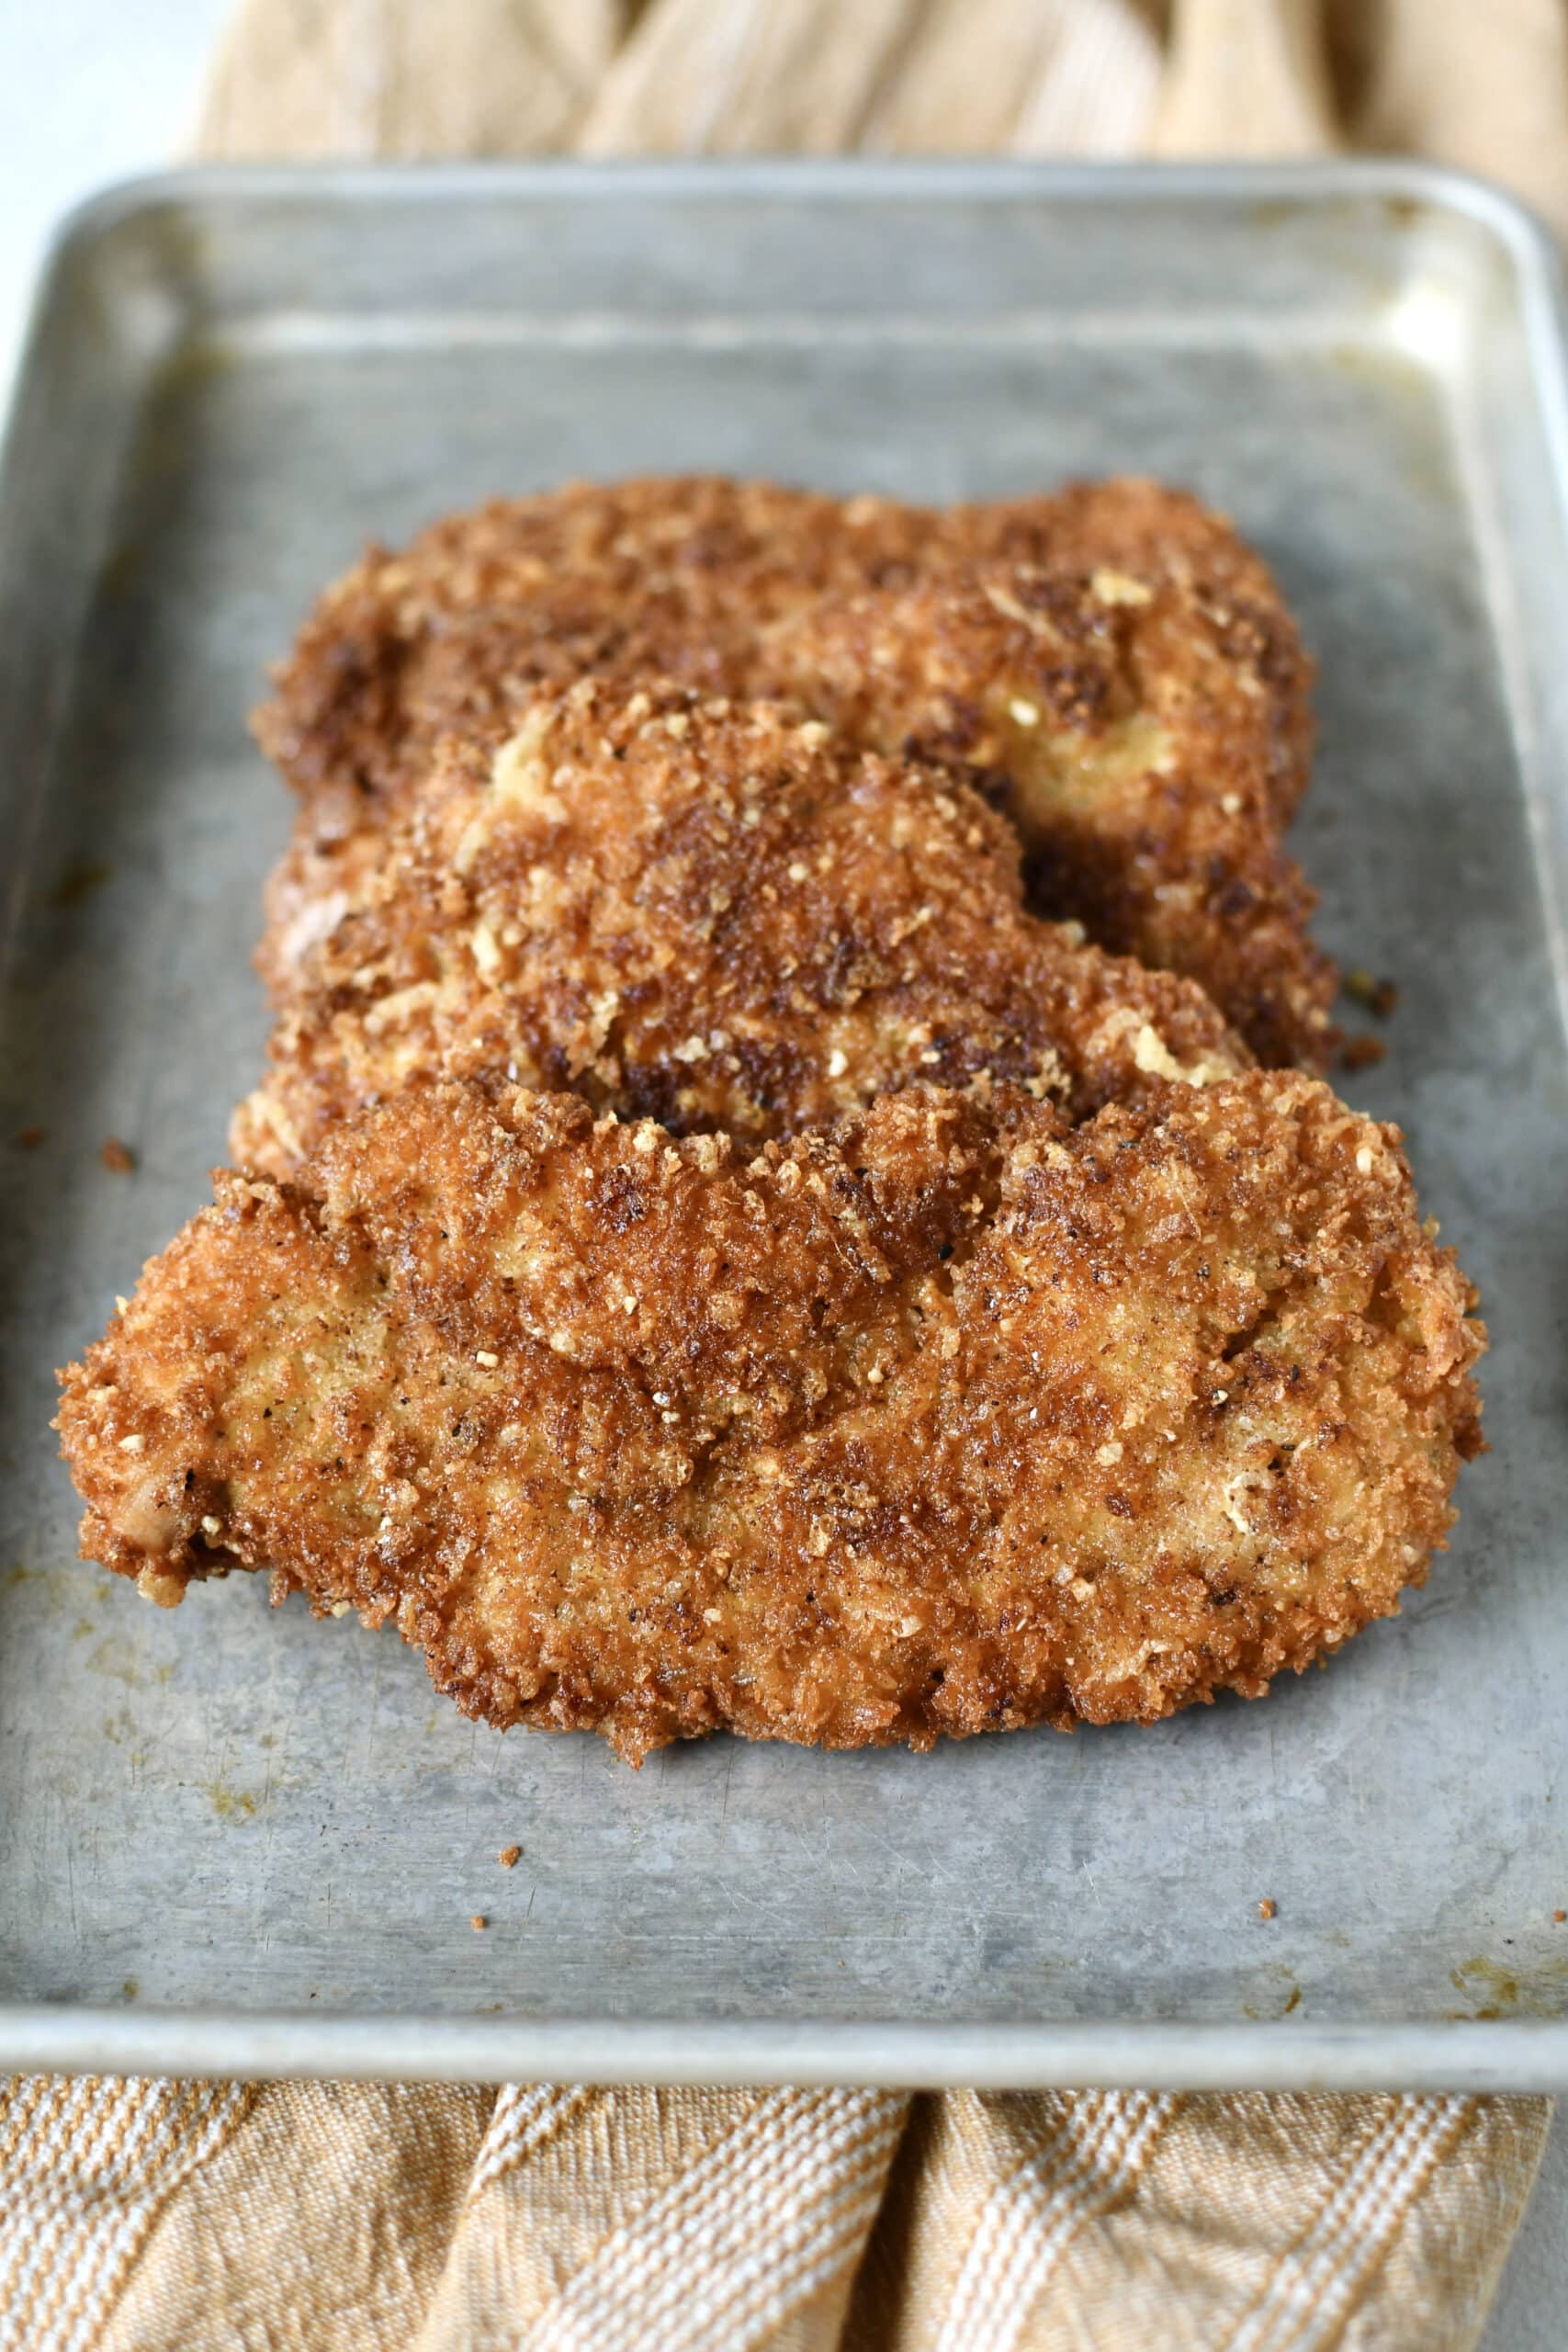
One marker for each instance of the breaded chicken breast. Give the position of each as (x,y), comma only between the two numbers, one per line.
(715,914)
(621,581)
(1172,736)
(956,1419)
(630,583)
(1135,733)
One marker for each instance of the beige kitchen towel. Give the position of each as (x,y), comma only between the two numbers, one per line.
(1482,86)
(363,78)
(161,2217)
(346,2218)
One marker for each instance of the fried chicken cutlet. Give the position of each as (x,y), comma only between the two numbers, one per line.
(715,914)
(956,1420)
(1120,727)
(630,583)
(1171,736)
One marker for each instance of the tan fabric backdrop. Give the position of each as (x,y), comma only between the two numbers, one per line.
(146,2216)
(1482,83)
(157,2217)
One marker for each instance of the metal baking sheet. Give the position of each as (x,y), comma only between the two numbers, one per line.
(231,1839)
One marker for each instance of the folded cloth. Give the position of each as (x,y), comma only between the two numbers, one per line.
(340,2216)
(1485,87)
(136,2216)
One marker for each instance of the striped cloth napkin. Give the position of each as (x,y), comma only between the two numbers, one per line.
(345,2217)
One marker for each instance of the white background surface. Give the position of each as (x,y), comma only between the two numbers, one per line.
(91,90)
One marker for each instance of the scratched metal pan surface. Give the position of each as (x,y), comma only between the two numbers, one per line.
(234,1841)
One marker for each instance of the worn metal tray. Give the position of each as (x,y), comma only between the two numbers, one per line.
(235,1841)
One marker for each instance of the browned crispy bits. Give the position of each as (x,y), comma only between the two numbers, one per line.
(904,1429)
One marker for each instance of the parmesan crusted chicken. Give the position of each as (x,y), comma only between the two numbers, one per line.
(715,914)
(1111,661)
(956,1418)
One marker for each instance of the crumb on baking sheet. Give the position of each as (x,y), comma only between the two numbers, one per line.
(29,1138)
(79,880)
(1560,1916)
(1267,1907)
(478,1922)
(117,1157)
(1364,1053)
(1381,997)
(509,1857)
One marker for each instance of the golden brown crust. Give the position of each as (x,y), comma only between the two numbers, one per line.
(955,1421)
(715,915)
(1160,537)
(1137,735)
(744,589)
(620,581)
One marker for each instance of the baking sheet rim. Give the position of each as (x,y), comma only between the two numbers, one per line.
(1462,2054)
(1466,2055)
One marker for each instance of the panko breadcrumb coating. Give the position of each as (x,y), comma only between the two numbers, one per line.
(623,580)
(1123,727)
(630,583)
(712,915)
(1173,734)
(956,1419)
